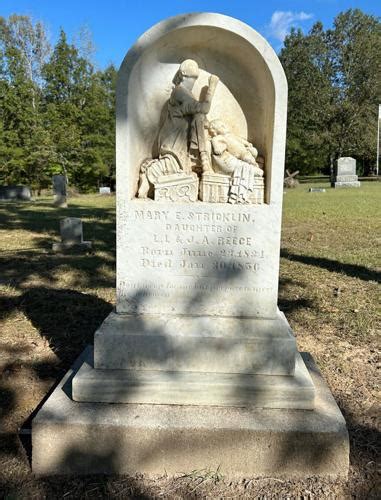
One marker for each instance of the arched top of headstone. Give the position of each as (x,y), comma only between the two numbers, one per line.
(251,96)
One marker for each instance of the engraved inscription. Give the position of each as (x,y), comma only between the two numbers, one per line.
(199,244)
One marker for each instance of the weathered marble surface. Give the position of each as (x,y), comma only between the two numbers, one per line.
(195,343)
(198,259)
(79,438)
(195,388)
(244,279)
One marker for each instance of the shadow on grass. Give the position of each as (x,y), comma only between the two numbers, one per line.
(352,270)
(68,319)
(84,270)
(95,269)
(44,218)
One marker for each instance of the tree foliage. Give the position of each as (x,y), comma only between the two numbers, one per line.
(334,90)
(56,110)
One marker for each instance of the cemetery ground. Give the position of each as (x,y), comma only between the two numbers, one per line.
(51,304)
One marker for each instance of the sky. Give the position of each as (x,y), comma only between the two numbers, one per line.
(116,24)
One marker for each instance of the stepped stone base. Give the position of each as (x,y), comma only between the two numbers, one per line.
(199,343)
(342,181)
(194,388)
(83,438)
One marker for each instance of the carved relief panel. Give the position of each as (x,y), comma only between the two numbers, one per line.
(198,158)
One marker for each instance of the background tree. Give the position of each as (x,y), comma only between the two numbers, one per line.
(334,90)
(56,111)
(23,51)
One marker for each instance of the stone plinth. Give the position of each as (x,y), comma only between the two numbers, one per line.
(194,388)
(345,183)
(83,438)
(197,344)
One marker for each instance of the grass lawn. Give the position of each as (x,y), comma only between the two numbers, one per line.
(51,304)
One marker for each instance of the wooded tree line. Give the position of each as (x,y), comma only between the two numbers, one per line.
(334,82)
(57,110)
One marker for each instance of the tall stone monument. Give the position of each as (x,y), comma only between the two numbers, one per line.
(60,191)
(201,366)
(346,173)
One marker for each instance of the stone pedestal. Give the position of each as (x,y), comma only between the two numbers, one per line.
(195,361)
(347,181)
(194,388)
(195,344)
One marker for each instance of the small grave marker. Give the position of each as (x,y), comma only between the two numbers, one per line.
(71,235)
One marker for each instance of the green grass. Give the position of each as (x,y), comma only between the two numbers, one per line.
(340,224)
(330,252)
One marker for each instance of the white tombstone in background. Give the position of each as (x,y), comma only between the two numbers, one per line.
(196,325)
(346,173)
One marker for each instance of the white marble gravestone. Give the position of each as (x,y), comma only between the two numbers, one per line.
(196,323)
(197,281)
(346,173)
